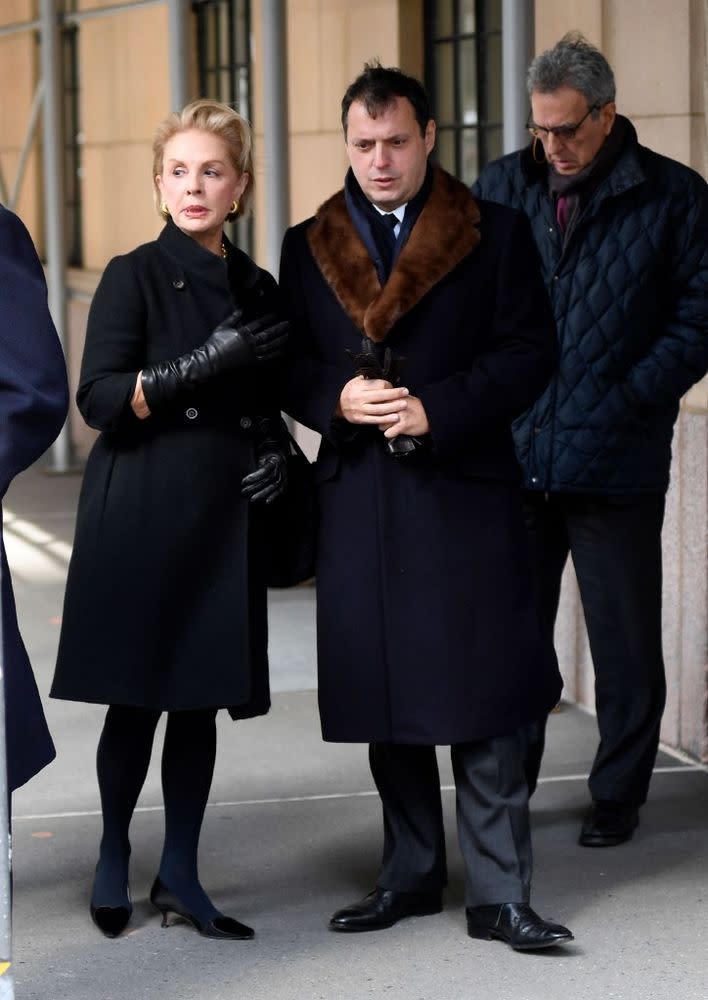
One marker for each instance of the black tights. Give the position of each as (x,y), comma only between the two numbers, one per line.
(187,767)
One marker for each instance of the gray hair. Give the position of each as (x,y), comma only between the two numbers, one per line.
(573,62)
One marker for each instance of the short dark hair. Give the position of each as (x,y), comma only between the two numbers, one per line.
(377,88)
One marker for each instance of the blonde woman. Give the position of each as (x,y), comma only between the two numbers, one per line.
(165,606)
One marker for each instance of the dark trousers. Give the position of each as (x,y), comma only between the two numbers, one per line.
(615,545)
(492,818)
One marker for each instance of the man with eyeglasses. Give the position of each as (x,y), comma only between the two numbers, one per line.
(621,232)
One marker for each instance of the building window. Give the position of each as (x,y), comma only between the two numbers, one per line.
(224,70)
(464,81)
(72,137)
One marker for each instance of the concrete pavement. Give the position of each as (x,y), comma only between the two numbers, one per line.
(293,831)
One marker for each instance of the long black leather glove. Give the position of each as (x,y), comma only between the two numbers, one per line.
(270,479)
(233,345)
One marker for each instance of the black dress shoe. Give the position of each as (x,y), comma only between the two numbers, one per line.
(607,824)
(385,907)
(516,924)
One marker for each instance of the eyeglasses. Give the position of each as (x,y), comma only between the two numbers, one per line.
(566,133)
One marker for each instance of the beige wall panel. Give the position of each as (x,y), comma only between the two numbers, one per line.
(304,73)
(18,77)
(411,37)
(672,596)
(318,164)
(16,11)
(556,17)
(124,65)
(670,136)
(696,399)
(694,653)
(119,212)
(372,33)
(566,633)
(649,55)
(698,31)
(333,74)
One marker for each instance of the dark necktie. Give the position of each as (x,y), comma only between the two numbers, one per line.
(390,221)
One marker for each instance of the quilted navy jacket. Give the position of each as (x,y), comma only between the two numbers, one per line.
(629,294)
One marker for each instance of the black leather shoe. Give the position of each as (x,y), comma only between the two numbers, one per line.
(383,908)
(516,924)
(607,824)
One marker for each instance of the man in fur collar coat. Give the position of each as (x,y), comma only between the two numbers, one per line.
(427,631)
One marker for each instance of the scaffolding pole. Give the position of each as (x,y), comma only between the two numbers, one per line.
(54,226)
(517,50)
(177,12)
(7,985)
(275,132)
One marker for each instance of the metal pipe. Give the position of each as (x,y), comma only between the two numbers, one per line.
(76,17)
(54,226)
(27,144)
(275,131)
(7,988)
(177,12)
(19,27)
(517,51)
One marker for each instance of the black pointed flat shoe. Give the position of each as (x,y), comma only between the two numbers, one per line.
(219,926)
(383,908)
(517,925)
(111,914)
(111,920)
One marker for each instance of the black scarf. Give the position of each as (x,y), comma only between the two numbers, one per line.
(578,188)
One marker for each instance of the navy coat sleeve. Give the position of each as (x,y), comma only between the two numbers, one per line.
(517,363)
(114,351)
(33,406)
(33,385)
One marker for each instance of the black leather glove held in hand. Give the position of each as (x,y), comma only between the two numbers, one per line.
(269,480)
(231,346)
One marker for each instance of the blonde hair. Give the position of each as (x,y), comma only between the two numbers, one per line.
(220,120)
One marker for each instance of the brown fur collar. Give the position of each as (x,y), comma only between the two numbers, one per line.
(444,233)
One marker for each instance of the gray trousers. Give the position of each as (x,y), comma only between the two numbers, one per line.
(492,818)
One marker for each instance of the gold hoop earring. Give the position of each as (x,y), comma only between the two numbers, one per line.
(534,147)
(231,215)
(164,210)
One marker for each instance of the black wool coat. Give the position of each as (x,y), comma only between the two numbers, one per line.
(427,632)
(166,603)
(34,399)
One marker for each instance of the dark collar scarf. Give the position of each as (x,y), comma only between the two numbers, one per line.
(371,227)
(443,234)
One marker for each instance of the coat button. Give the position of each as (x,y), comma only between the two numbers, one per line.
(178,284)
(537,430)
(534,479)
(246,422)
(191,413)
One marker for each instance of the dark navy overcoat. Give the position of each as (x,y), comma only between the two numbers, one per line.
(33,406)
(427,632)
